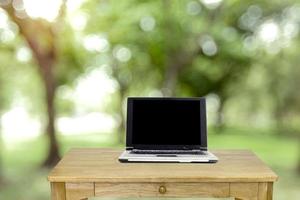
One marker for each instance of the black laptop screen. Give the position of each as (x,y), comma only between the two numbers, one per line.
(166,122)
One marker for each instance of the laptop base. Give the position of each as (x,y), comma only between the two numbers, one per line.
(207,157)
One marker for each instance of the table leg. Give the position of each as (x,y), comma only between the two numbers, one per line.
(265,191)
(79,191)
(252,191)
(244,191)
(270,191)
(58,191)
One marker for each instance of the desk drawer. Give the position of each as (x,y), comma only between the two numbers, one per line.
(162,189)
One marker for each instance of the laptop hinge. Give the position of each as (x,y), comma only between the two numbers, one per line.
(203,148)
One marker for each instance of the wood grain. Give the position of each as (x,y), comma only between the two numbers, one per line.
(58,191)
(102,165)
(262,191)
(78,191)
(245,191)
(270,191)
(152,189)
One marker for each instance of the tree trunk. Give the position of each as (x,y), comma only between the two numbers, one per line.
(220,125)
(219,119)
(1,154)
(279,118)
(1,141)
(175,64)
(170,82)
(298,167)
(121,128)
(46,69)
(123,86)
(46,58)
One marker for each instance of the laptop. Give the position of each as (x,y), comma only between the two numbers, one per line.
(166,130)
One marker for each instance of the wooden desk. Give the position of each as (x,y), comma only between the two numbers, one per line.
(84,173)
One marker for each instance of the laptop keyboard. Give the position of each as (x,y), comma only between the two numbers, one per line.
(167,152)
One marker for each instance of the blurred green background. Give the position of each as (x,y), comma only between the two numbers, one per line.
(66,68)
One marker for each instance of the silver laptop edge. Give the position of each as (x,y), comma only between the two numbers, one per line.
(208,157)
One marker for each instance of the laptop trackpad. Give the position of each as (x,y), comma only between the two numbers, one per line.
(166,155)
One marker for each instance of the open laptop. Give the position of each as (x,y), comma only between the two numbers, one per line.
(166,130)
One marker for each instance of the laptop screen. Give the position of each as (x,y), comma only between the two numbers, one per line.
(166,122)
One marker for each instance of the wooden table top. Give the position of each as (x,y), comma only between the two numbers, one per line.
(102,165)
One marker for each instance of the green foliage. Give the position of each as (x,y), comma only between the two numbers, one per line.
(71,57)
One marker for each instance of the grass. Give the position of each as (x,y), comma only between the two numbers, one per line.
(25,180)
(275,150)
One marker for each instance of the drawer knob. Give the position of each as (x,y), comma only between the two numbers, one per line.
(162,189)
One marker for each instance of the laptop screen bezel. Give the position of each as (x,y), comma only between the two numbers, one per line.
(203,126)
